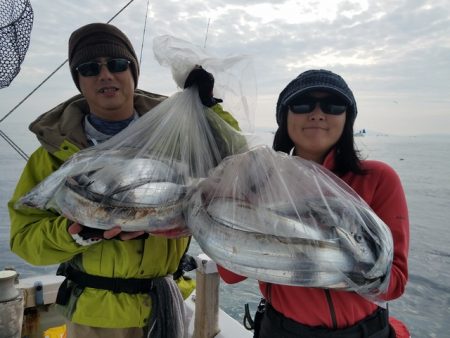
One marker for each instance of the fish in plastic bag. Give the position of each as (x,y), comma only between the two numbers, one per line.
(285,220)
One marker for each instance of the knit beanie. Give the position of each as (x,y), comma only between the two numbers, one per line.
(315,80)
(100,40)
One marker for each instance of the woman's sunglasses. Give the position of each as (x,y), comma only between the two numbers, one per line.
(93,68)
(332,105)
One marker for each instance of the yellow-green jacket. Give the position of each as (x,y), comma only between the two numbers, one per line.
(40,237)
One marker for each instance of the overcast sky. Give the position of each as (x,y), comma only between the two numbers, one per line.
(394,54)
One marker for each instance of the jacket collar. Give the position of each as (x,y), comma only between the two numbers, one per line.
(329,161)
(65,121)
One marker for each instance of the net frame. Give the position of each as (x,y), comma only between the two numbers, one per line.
(16,22)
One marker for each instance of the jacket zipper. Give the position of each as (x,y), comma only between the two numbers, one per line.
(331,306)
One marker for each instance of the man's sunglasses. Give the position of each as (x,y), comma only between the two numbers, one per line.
(93,68)
(329,105)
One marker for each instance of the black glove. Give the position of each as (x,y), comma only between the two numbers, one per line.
(87,233)
(205,84)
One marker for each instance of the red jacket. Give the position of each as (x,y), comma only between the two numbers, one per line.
(382,190)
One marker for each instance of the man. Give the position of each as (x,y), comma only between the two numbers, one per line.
(110,276)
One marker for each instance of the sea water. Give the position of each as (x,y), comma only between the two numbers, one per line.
(423,164)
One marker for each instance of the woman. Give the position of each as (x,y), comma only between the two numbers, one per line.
(315,114)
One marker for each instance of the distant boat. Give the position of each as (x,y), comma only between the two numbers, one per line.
(361,132)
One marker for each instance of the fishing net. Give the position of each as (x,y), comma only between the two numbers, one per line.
(16,21)
(284,220)
(139,178)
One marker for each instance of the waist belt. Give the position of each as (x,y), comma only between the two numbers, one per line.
(373,326)
(116,285)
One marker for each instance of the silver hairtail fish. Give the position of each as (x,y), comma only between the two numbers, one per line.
(285,220)
(40,196)
(113,189)
(291,257)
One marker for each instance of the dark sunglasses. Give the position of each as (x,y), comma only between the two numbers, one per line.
(92,68)
(332,105)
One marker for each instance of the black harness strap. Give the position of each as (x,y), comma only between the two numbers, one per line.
(116,285)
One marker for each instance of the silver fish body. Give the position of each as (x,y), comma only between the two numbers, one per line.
(130,216)
(130,174)
(267,257)
(289,221)
(357,229)
(40,197)
(257,242)
(246,217)
(115,187)
(380,242)
(117,195)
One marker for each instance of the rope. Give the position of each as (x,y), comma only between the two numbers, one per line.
(206,34)
(143,34)
(26,97)
(14,145)
(120,11)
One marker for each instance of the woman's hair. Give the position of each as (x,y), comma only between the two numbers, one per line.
(347,157)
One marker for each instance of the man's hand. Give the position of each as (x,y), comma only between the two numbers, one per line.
(205,84)
(84,235)
(117,232)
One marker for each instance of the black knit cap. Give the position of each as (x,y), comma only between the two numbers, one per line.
(100,40)
(315,80)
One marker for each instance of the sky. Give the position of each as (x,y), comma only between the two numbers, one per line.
(394,54)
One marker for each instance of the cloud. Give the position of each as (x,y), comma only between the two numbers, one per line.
(386,50)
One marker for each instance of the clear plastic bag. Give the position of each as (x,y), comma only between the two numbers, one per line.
(235,80)
(281,219)
(138,179)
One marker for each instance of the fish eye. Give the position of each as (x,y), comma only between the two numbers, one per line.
(358,238)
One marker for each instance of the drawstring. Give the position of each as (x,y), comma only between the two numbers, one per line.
(255,324)
(248,321)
